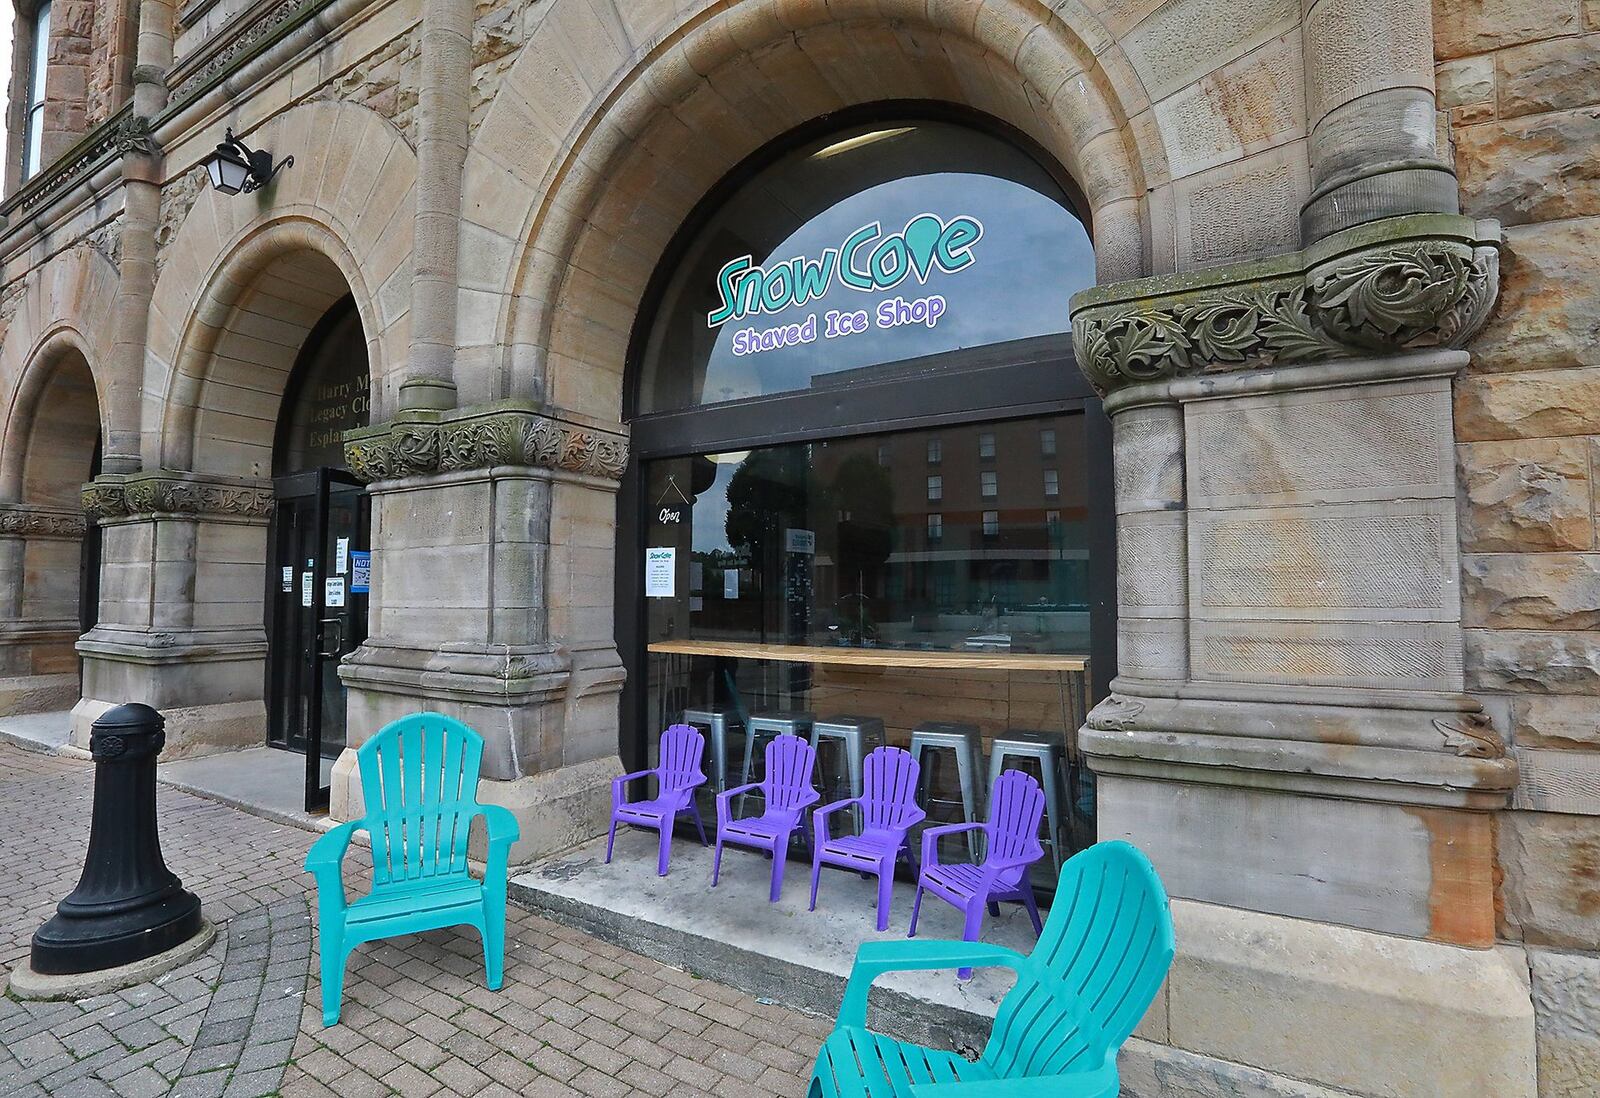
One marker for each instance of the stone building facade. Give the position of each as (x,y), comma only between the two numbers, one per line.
(1346,328)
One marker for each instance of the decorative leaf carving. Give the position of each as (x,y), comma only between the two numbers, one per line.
(1471,736)
(1432,291)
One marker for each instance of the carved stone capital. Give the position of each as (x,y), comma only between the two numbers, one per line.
(482,438)
(1403,284)
(163,492)
(22,521)
(136,137)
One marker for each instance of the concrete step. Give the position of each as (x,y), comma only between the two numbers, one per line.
(781,951)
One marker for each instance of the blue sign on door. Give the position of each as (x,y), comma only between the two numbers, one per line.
(360,571)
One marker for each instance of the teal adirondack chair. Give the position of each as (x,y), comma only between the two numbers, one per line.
(420,779)
(1103,954)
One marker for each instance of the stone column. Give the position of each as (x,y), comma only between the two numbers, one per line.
(1332,768)
(39,557)
(1288,734)
(180,624)
(492,534)
(141,210)
(1370,112)
(442,116)
(1152,574)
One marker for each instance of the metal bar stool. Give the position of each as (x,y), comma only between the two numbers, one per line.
(965,743)
(857,735)
(1047,752)
(715,722)
(763,727)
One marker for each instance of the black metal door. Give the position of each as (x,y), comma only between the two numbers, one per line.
(318,615)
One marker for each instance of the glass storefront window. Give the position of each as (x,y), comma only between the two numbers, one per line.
(851,404)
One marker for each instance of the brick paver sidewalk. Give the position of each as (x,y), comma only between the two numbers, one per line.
(576,1015)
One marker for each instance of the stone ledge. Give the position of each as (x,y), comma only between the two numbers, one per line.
(114,496)
(1404,283)
(1367,1013)
(505,433)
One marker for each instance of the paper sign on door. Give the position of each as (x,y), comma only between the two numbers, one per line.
(305,589)
(659,567)
(288,578)
(333,591)
(360,571)
(341,556)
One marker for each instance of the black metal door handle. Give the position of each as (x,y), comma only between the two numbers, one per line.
(337,631)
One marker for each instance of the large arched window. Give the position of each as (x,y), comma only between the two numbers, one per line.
(868,477)
(972,234)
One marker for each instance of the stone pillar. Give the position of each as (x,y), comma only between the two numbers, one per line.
(1370,112)
(1288,734)
(180,625)
(141,210)
(39,560)
(492,533)
(442,116)
(1152,573)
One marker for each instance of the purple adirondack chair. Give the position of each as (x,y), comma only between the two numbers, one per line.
(1011,845)
(786,792)
(677,776)
(888,810)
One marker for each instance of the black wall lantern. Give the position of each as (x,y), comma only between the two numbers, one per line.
(233,167)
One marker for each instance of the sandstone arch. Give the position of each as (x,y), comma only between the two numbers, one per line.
(246,277)
(651,86)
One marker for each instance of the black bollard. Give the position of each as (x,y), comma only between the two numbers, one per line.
(128,905)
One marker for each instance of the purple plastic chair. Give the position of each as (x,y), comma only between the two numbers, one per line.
(786,792)
(888,810)
(677,776)
(1011,845)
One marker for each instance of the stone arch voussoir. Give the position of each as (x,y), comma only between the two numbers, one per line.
(612,125)
(345,206)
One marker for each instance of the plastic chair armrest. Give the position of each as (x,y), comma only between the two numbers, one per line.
(725,800)
(619,783)
(819,816)
(329,850)
(874,959)
(932,835)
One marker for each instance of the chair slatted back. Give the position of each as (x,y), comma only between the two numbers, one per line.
(419,776)
(1099,963)
(889,789)
(680,761)
(791,761)
(1016,805)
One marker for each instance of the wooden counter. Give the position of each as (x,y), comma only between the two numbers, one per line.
(874,657)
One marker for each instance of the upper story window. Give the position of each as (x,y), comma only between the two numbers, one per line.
(38,65)
(1052,483)
(935,489)
(989,484)
(850,257)
(935,451)
(1047,442)
(986,446)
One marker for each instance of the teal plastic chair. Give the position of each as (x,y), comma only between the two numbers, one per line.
(1104,952)
(420,779)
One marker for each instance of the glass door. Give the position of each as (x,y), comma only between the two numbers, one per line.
(319,615)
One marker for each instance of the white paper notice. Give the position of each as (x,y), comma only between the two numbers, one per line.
(305,589)
(660,566)
(730,583)
(800,541)
(341,556)
(288,578)
(333,591)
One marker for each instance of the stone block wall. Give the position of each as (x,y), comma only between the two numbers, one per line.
(1519,95)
